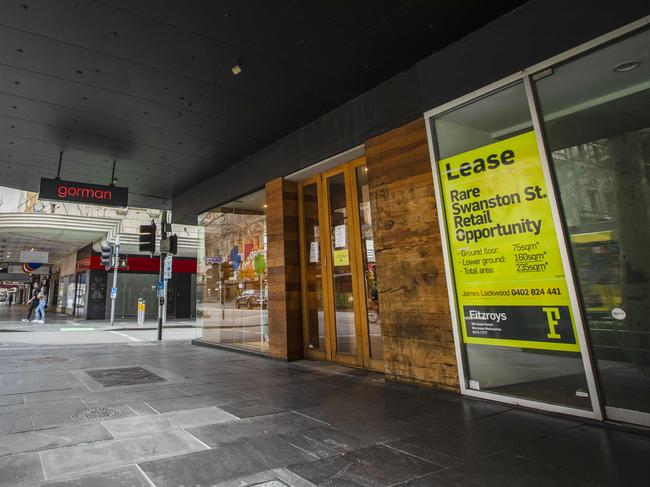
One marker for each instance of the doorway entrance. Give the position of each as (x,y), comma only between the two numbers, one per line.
(341,320)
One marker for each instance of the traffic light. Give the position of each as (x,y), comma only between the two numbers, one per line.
(173,244)
(225,271)
(148,238)
(106,254)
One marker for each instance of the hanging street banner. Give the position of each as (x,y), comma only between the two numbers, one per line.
(92,194)
(511,288)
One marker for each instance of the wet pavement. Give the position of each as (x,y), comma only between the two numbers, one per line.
(173,414)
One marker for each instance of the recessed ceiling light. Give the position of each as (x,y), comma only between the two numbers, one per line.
(626,66)
(236,69)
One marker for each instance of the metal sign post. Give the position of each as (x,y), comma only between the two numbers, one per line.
(167,275)
(162,298)
(116,261)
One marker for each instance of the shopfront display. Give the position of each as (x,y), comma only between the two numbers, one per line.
(542,186)
(232,289)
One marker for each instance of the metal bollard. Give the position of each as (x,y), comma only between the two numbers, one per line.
(141,311)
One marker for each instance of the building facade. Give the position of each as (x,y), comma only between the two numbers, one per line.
(475,224)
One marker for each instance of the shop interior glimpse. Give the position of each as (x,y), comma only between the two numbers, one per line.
(232,283)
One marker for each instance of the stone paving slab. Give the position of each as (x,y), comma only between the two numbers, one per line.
(252,408)
(15,422)
(87,458)
(192,402)
(373,466)
(129,476)
(53,438)
(277,477)
(273,424)
(225,462)
(11,400)
(324,441)
(18,470)
(35,381)
(146,425)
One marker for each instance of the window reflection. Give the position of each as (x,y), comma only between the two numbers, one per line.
(596,123)
(375,339)
(232,281)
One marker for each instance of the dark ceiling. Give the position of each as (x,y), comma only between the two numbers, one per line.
(149,82)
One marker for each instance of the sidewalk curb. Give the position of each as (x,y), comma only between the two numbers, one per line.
(12,330)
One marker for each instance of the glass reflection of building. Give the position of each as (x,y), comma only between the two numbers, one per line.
(232,291)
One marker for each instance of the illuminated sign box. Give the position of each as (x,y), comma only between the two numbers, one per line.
(92,194)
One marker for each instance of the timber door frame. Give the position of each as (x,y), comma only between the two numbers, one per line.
(316,354)
(362,356)
(361,304)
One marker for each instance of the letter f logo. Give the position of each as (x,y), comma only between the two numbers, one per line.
(553,317)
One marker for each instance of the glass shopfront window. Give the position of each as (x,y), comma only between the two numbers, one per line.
(375,339)
(314,299)
(232,294)
(526,329)
(508,273)
(597,126)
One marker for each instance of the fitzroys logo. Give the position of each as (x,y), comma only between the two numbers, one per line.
(479,315)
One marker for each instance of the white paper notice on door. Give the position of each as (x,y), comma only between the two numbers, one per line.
(340,234)
(313,252)
(370,250)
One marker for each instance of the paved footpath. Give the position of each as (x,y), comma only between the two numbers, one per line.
(172,414)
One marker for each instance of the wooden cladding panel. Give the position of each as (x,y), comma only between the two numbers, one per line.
(284,299)
(414,305)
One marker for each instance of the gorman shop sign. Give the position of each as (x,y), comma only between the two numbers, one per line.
(511,288)
(93,194)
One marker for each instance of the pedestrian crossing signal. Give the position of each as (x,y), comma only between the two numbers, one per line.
(148,238)
(106,250)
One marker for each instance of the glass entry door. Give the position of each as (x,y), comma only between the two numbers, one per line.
(338,270)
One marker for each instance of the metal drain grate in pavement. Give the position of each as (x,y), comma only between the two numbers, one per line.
(125,376)
(96,414)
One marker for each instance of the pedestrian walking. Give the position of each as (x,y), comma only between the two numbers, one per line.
(40,309)
(11,299)
(32,304)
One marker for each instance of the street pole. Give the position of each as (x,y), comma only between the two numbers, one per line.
(162,298)
(116,263)
(165,296)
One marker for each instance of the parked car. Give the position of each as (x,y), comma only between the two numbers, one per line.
(251,298)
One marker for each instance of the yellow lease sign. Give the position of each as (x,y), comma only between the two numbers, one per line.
(511,288)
